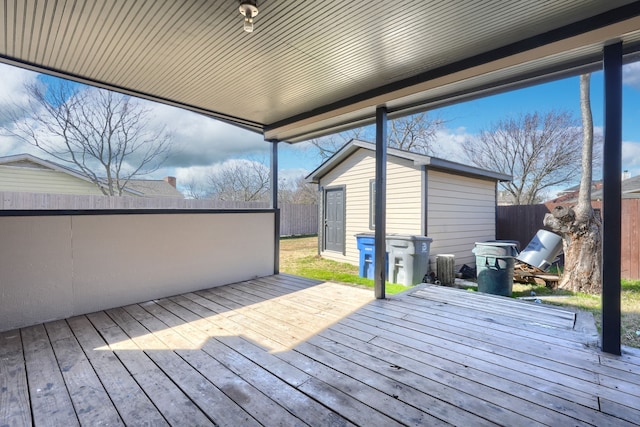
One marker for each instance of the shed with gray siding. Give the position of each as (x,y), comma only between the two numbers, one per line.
(452,203)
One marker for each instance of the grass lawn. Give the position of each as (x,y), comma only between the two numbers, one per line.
(299,256)
(630,305)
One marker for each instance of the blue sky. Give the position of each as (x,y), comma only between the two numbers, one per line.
(203,143)
(468,118)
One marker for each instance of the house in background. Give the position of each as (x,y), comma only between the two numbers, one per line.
(25,173)
(452,203)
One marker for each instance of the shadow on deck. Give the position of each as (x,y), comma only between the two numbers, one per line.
(283,350)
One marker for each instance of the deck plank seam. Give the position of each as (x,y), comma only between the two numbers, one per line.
(158,365)
(388,361)
(86,357)
(241,375)
(542,332)
(615,394)
(419,360)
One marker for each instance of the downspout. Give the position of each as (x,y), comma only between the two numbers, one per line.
(381,203)
(424,202)
(274,205)
(611,199)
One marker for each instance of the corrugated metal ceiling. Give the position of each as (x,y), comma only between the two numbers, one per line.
(309,65)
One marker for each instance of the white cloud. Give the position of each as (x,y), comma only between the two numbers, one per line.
(13,81)
(631,157)
(449,143)
(290,176)
(631,74)
(200,140)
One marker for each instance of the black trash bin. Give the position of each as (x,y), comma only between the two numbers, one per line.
(494,265)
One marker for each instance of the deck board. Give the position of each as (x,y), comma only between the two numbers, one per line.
(283,350)
(14,395)
(50,400)
(90,400)
(125,393)
(161,388)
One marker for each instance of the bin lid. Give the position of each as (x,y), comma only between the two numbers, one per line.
(495,249)
(497,244)
(410,237)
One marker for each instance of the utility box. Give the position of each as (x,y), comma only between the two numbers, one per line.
(494,265)
(408,258)
(367,247)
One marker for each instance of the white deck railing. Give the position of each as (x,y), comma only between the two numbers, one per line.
(55,265)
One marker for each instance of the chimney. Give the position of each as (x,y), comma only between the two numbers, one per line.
(626,175)
(171,180)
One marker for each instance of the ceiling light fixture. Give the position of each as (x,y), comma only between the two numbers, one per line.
(249,9)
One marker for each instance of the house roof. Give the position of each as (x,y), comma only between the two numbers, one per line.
(154,188)
(136,187)
(417,159)
(630,188)
(29,160)
(314,67)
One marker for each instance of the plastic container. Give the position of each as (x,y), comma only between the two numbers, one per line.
(494,266)
(542,250)
(408,260)
(367,246)
(513,243)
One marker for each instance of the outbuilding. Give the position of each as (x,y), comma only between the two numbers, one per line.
(452,203)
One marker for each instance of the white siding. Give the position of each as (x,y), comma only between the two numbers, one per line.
(33,180)
(404,189)
(461,211)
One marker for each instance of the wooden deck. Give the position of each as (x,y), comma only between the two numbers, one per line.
(286,351)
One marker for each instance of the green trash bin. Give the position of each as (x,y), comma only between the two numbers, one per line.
(494,266)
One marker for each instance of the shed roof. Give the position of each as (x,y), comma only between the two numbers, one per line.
(313,67)
(417,159)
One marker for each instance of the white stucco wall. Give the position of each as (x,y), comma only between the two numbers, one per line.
(53,267)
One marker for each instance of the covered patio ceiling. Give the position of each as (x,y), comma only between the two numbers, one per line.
(312,67)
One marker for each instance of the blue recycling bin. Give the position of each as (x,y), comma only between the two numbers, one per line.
(367,247)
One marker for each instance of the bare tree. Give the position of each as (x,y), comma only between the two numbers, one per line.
(194,189)
(415,133)
(580,226)
(240,180)
(539,151)
(328,145)
(297,191)
(106,136)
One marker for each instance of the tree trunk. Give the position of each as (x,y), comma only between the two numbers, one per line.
(580,226)
(582,245)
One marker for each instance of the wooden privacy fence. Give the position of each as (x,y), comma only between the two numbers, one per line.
(295,219)
(519,222)
(522,222)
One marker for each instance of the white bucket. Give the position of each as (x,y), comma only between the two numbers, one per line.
(542,250)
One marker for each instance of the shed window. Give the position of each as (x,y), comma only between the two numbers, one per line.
(372,204)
